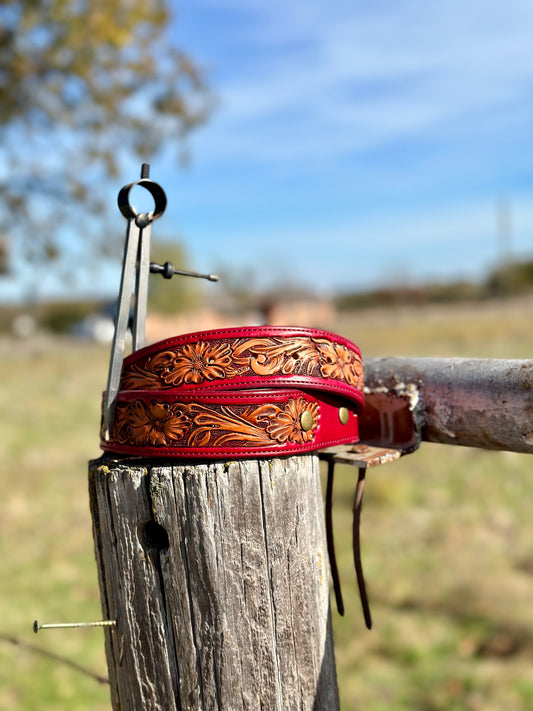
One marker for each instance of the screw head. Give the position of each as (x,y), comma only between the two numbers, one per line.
(142,220)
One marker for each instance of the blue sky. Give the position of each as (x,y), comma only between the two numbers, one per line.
(356,142)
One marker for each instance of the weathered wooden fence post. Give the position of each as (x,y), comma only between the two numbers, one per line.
(217,576)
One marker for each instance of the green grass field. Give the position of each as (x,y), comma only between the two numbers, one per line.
(447,536)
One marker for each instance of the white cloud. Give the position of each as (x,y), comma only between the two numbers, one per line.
(376,131)
(358,79)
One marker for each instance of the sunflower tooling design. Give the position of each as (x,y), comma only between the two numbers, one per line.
(201,361)
(173,425)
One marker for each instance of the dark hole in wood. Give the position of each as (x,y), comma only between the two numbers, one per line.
(155,536)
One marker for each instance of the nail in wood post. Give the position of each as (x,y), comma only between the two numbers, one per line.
(217,575)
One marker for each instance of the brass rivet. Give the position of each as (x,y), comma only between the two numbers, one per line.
(344,415)
(306,420)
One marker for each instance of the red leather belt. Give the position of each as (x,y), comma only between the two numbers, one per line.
(244,392)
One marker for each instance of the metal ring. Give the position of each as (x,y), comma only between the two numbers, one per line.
(155,190)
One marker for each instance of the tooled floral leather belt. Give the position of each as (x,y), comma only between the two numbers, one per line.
(244,392)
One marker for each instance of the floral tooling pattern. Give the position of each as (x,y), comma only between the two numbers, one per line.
(203,361)
(160,424)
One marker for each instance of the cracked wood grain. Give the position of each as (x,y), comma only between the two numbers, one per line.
(217,575)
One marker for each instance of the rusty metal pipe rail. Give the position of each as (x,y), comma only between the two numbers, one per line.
(482,403)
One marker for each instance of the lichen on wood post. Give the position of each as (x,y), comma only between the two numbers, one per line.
(217,575)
